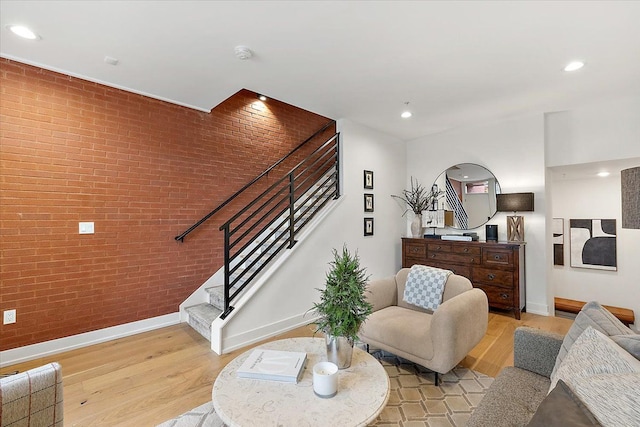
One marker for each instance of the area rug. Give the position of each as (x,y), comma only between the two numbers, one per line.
(414,399)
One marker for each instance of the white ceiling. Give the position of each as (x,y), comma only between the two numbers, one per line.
(456,63)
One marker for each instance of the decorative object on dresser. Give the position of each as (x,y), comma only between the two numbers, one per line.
(515,202)
(491,231)
(417,200)
(496,268)
(593,243)
(629,184)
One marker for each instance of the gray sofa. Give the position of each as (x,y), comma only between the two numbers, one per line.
(593,387)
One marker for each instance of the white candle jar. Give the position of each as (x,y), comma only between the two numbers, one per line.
(325,379)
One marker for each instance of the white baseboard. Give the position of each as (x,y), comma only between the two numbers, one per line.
(541,309)
(265,331)
(47,348)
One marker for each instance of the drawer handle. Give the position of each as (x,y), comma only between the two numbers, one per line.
(504,296)
(414,249)
(491,276)
(433,255)
(439,247)
(466,249)
(472,259)
(497,257)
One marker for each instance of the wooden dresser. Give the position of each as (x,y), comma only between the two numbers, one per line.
(496,268)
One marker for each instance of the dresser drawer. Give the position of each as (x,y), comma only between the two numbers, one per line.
(497,257)
(493,277)
(498,297)
(461,270)
(455,258)
(471,250)
(439,247)
(415,250)
(408,262)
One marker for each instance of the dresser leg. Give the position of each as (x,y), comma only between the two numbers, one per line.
(516,312)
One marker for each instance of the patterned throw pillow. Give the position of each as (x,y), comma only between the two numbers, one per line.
(425,286)
(614,399)
(591,354)
(599,318)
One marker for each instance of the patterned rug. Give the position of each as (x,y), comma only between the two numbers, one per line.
(414,399)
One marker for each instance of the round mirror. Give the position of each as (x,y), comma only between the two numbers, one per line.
(469,195)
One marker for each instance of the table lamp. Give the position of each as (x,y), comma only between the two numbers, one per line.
(515,202)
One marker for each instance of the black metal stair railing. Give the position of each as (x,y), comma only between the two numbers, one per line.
(270,222)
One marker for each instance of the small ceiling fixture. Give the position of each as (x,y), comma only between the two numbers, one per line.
(574,65)
(243,52)
(261,97)
(110,60)
(406,113)
(603,174)
(24,32)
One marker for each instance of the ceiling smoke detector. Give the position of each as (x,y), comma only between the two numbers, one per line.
(243,52)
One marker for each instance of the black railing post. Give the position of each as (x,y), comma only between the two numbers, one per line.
(337,164)
(227,275)
(292,206)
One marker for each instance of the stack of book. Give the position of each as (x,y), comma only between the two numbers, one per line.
(273,365)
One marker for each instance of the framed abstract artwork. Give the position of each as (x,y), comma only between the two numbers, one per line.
(368,226)
(558,241)
(368,180)
(593,243)
(368,202)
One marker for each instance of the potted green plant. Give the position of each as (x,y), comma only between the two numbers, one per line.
(418,199)
(342,307)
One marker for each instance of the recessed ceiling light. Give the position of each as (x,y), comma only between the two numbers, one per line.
(262,97)
(406,114)
(23,32)
(603,174)
(573,66)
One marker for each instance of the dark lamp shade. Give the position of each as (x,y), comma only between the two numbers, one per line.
(630,187)
(514,202)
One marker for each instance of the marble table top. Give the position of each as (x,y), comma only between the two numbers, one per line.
(363,392)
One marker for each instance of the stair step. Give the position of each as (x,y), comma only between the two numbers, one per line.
(200,318)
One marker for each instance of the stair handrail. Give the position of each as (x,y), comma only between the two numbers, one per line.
(181,237)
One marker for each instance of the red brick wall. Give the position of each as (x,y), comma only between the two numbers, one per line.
(143,170)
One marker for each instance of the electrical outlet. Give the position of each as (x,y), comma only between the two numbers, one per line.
(9,317)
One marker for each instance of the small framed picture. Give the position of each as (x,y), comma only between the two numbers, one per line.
(368,180)
(368,226)
(368,202)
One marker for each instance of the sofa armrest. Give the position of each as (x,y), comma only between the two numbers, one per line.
(457,326)
(382,293)
(536,350)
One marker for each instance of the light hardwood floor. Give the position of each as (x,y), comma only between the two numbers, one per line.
(148,378)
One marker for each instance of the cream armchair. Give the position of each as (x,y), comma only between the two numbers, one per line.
(437,340)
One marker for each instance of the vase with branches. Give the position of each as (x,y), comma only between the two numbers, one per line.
(418,199)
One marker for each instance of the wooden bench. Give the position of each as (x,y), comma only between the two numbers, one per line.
(625,315)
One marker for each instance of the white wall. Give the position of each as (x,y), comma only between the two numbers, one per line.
(606,130)
(514,151)
(603,131)
(292,289)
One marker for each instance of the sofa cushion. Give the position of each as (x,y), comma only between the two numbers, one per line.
(593,353)
(614,399)
(511,400)
(630,343)
(562,408)
(596,316)
(393,327)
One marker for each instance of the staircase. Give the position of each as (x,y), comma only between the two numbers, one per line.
(259,234)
